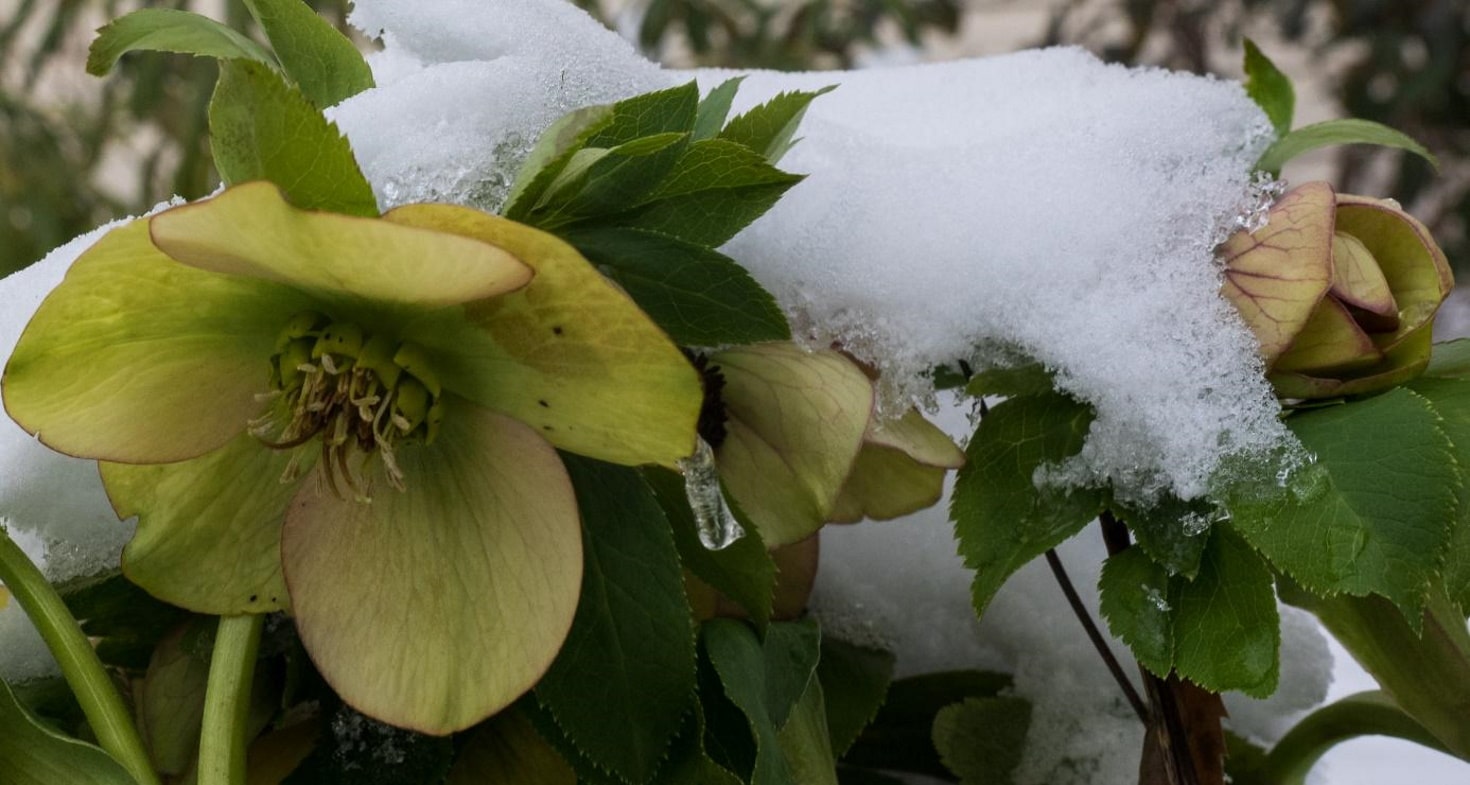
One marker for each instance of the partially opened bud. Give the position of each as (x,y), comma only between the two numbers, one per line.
(1340,291)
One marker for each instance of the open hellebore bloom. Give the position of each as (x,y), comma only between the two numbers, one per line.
(796,442)
(355,420)
(1340,291)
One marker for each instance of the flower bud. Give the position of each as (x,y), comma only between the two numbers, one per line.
(1340,292)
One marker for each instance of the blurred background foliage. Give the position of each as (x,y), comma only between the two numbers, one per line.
(77,151)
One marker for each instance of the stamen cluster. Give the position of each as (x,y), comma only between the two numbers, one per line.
(362,394)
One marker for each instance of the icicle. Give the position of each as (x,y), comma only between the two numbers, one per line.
(718,528)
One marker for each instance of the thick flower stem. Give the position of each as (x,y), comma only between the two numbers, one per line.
(227,700)
(94,690)
(1364,714)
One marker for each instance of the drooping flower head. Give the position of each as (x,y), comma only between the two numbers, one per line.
(355,420)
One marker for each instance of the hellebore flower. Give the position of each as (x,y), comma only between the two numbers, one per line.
(1339,290)
(355,420)
(797,443)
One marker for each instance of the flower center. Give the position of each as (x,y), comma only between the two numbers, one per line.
(362,394)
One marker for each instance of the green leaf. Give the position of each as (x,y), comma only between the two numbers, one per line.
(31,753)
(688,763)
(1373,514)
(263,129)
(319,58)
(1002,520)
(1269,88)
(901,737)
(699,296)
(1424,667)
(764,682)
(715,108)
(805,739)
(1170,531)
(1220,630)
(622,176)
(625,676)
(1451,399)
(1335,132)
(1030,378)
(717,188)
(769,128)
(854,683)
(982,739)
(550,156)
(791,650)
(665,111)
(169,30)
(744,571)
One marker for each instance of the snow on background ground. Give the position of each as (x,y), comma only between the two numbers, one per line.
(1042,200)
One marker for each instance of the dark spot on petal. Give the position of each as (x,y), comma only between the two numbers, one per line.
(547,428)
(544,404)
(253,597)
(557,329)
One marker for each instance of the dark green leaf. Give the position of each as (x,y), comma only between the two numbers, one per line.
(1373,514)
(715,108)
(688,764)
(1002,520)
(625,676)
(792,650)
(1269,88)
(854,683)
(550,157)
(769,128)
(1170,531)
(716,190)
(1451,400)
(169,30)
(744,571)
(982,739)
(1024,379)
(764,682)
(900,738)
(1220,630)
(699,296)
(1336,132)
(805,740)
(264,129)
(323,63)
(622,176)
(665,111)
(31,753)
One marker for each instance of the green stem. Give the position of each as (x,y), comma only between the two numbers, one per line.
(1364,714)
(227,700)
(94,690)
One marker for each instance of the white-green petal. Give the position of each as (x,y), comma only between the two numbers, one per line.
(570,354)
(209,529)
(139,359)
(795,423)
(436,607)
(251,231)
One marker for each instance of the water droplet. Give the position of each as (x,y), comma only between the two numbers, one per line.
(718,528)
(1156,598)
